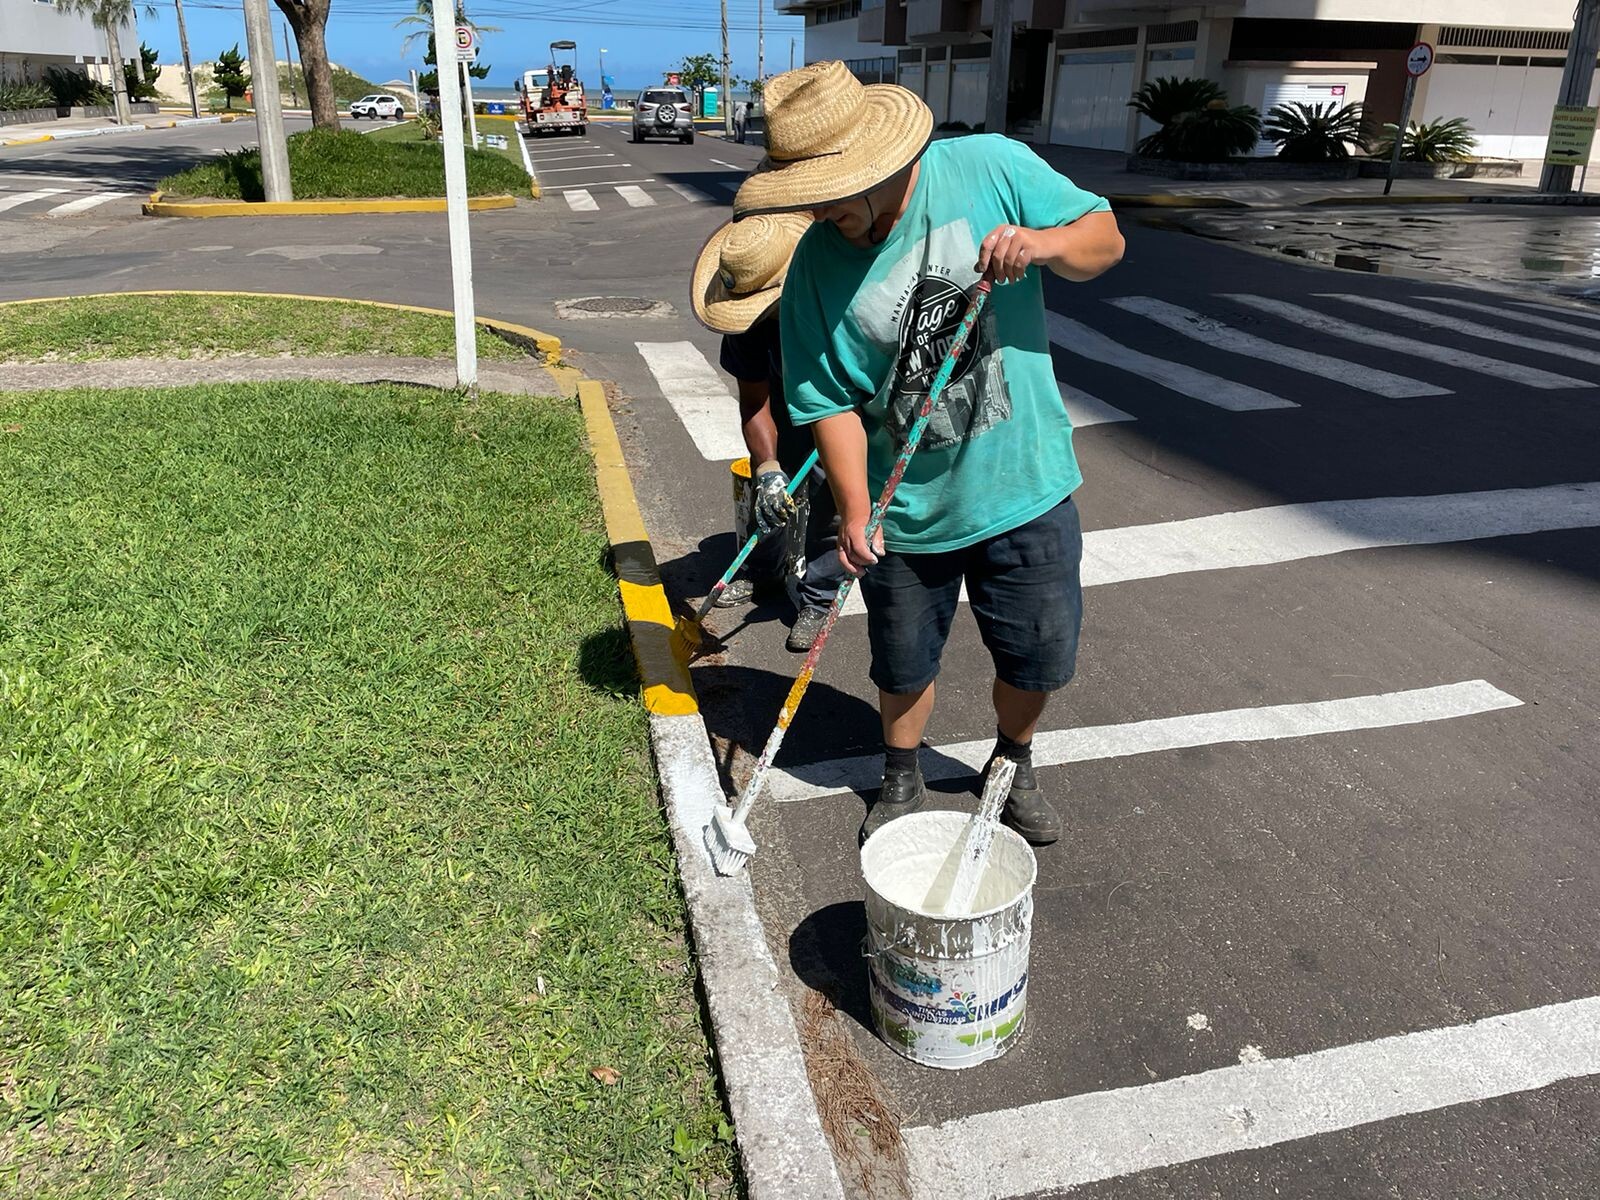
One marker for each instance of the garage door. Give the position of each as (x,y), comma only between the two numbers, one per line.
(1295,93)
(1506,99)
(1090,107)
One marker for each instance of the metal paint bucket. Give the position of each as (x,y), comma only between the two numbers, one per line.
(744,524)
(946,991)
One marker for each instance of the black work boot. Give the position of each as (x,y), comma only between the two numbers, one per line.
(1026,810)
(902,792)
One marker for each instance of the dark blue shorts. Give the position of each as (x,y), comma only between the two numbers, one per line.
(1024,590)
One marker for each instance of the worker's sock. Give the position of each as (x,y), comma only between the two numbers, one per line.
(899,762)
(1020,753)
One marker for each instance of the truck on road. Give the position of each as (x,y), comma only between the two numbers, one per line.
(552,98)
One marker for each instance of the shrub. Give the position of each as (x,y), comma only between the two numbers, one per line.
(1434,142)
(1197,123)
(25,95)
(1315,132)
(72,88)
(146,90)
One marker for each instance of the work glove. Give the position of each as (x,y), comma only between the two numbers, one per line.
(774,506)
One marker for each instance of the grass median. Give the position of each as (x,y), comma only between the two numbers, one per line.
(327,164)
(330,858)
(102,327)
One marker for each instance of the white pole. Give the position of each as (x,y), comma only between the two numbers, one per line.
(416,93)
(455,194)
(472,112)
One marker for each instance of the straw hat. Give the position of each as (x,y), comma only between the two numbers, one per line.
(739,274)
(831,138)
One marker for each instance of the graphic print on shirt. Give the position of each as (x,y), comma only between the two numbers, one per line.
(932,293)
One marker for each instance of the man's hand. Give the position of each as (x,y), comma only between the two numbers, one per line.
(774,506)
(855,555)
(1007,253)
(1088,247)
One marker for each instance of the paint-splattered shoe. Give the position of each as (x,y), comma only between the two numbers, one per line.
(1027,811)
(806,627)
(902,792)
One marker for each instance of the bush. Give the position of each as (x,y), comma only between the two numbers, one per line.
(1197,124)
(1433,142)
(25,95)
(71,88)
(1315,132)
(146,90)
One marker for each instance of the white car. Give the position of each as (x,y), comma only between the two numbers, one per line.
(376,106)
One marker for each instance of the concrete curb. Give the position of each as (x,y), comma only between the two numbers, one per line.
(109,130)
(157,207)
(781,1144)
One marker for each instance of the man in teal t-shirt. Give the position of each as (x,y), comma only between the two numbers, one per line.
(874,294)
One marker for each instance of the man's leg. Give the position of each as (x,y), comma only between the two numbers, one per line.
(823,572)
(905,716)
(1017,712)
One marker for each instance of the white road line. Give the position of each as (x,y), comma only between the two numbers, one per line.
(1289,532)
(84,203)
(1507,315)
(963,760)
(1471,329)
(1412,347)
(1084,409)
(731,188)
(1215,333)
(9,202)
(581,201)
(1077,338)
(600,167)
(1576,313)
(600,183)
(699,397)
(1256,537)
(1105,1135)
(689,194)
(527,163)
(731,166)
(636,197)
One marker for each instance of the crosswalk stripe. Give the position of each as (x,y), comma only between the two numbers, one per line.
(84,204)
(964,760)
(699,397)
(581,201)
(1077,338)
(1084,409)
(1576,314)
(1508,315)
(1280,533)
(689,194)
(1472,329)
(1414,347)
(1215,333)
(636,196)
(9,202)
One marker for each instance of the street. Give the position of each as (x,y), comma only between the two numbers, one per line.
(1328,767)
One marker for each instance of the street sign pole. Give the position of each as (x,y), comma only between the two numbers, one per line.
(1575,80)
(1418,60)
(455,195)
(188,67)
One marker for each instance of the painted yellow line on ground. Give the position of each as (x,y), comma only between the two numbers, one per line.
(313,208)
(664,678)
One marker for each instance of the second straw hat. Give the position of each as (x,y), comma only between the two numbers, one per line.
(739,274)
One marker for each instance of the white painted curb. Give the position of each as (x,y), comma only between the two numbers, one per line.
(784,1151)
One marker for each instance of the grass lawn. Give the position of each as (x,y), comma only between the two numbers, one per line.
(209,326)
(411,131)
(326,164)
(330,859)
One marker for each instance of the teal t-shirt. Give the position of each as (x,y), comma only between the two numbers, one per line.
(865,329)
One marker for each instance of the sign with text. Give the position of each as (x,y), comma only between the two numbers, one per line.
(466,44)
(1571,134)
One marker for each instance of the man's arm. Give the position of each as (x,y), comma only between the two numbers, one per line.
(1087,247)
(842,446)
(756,423)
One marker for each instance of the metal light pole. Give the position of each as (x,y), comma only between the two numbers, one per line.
(602,79)
(188,69)
(1575,80)
(724,96)
(268,102)
(455,194)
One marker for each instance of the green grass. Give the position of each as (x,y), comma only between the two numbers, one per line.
(330,859)
(207,326)
(327,164)
(411,131)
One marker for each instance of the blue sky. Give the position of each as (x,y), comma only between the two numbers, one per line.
(640,39)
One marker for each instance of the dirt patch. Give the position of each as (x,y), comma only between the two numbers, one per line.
(861,1125)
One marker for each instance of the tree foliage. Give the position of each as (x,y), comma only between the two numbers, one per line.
(1197,123)
(1434,141)
(700,71)
(428,81)
(143,89)
(228,73)
(1315,132)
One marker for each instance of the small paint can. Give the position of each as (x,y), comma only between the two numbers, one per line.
(794,538)
(946,992)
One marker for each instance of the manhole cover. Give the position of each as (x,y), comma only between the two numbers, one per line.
(612,306)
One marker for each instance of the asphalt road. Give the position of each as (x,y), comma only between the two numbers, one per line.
(1329,767)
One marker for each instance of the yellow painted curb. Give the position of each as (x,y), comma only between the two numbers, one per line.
(155,207)
(664,678)
(33,141)
(546,345)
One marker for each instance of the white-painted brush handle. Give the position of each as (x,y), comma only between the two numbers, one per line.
(980,837)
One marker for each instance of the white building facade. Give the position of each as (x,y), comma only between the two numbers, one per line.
(35,35)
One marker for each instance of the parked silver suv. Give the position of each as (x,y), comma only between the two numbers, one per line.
(663,112)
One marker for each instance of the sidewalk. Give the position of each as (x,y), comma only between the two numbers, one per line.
(63,128)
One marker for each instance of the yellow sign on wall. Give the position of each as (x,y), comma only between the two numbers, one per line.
(1571,135)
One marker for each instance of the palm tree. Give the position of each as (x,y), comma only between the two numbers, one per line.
(423,20)
(110,16)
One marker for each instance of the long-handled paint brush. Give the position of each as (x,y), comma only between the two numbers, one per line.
(688,635)
(979,837)
(727,838)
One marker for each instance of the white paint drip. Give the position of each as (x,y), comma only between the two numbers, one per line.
(1252,1054)
(1199,1021)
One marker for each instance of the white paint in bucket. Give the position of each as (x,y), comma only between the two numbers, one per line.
(946,991)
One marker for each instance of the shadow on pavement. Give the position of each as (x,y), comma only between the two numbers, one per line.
(825,954)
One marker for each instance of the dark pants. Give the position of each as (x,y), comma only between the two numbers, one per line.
(822,573)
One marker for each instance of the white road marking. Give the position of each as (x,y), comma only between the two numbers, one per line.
(9,202)
(1084,409)
(689,194)
(527,163)
(581,201)
(1225,337)
(1508,315)
(731,166)
(1105,1135)
(1077,338)
(699,397)
(1577,313)
(85,203)
(599,183)
(1471,329)
(731,188)
(636,197)
(599,167)
(1412,347)
(964,760)
(1256,537)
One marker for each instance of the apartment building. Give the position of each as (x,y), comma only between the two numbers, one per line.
(35,35)
(1075,63)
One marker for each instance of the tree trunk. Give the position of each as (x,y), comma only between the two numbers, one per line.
(119,81)
(310,27)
